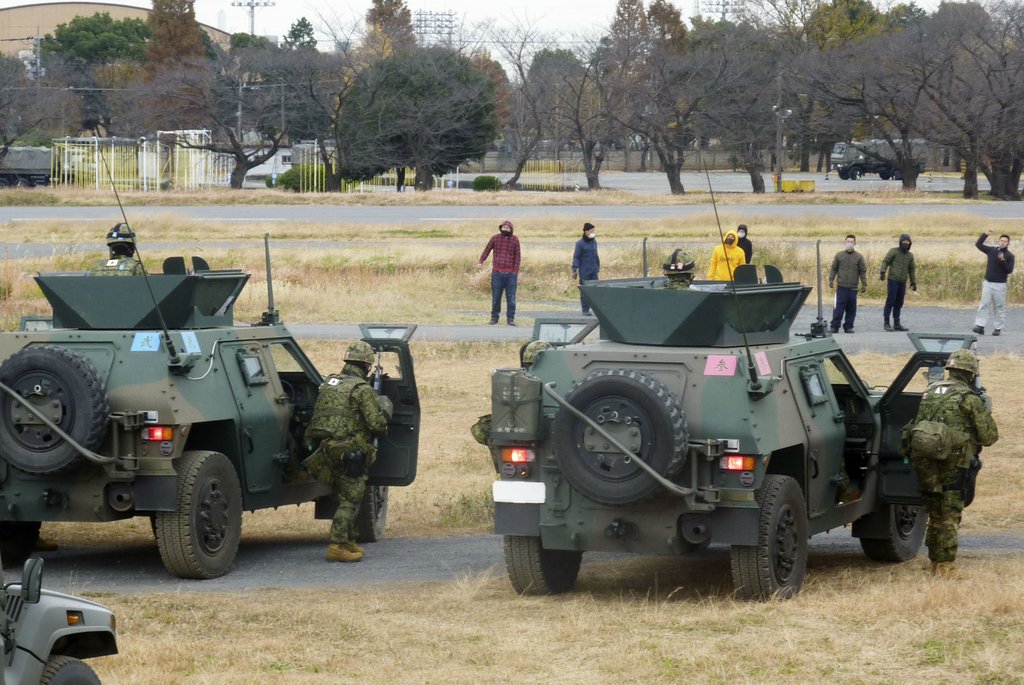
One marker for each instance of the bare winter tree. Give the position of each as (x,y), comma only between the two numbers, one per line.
(238,96)
(527,112)
(28,109)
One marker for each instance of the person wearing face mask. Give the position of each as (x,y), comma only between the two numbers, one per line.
(900,264)
(504,271)
(745,244)
(586,264)
(848,267)
(725,258)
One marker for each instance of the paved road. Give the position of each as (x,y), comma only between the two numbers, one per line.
(869,336)
(430,214)
(269,564)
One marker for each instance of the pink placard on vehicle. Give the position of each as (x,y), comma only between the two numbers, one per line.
(720,365)
(763,367)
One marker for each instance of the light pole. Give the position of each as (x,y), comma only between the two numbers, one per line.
(252,5)
(780,116)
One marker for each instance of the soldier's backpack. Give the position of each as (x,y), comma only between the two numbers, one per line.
(930,440)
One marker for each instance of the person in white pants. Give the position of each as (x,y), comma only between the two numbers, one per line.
(993,289)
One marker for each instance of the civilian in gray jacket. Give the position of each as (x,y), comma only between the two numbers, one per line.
(848,267)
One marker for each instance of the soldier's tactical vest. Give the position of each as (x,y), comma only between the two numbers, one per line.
(333,414)
(117,266)
(942,404)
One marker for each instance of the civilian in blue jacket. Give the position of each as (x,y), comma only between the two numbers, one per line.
(586,264)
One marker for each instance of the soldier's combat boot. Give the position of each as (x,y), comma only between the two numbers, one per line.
(353,547)
(340,553)
(887,327)
(946,569)
(899,327)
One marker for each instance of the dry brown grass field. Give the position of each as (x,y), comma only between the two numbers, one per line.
(641,619)
(429,274)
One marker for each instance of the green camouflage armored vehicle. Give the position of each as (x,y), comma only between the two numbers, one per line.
(697,419)
(146,399)
(46,634)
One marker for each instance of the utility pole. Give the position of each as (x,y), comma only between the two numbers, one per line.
(252,5)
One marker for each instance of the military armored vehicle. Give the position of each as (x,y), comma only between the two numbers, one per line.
(144,398)
(696,419)
(46,634)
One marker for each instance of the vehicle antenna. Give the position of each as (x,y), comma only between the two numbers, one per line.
(271,316)
(755,383)
(175,359)
(818,327)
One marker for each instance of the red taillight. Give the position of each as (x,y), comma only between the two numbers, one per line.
(736,462)
(158,433)
(517,455)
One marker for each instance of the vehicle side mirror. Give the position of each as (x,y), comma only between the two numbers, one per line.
(32,580)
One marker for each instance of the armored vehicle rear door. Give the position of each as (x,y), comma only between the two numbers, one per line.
(263,414)
(397,452)
(898,407)
(823,424)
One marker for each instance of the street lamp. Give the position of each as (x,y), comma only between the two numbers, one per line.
(780,116)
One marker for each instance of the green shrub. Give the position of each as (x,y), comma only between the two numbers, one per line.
(303,178)
(486,183)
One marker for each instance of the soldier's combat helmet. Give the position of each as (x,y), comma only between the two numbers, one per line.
(359,351)
(963,360)
(531,351)
(679,262)
(120,234)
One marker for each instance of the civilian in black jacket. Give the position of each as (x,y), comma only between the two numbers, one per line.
(993,289)
(744,243)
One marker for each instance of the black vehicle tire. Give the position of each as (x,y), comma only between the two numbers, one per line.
(776,565)
(884,174)
(905,533)
(372,519)
(53,377)
(633,406)
(844,174)
(200,539)
(17,541)
(534,570)
(66,670)
(854,173)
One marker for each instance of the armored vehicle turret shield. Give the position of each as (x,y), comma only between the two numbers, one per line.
(697,418)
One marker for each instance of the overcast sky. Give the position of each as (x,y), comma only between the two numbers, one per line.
(549,16)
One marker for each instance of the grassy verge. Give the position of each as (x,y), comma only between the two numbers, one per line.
(345,272)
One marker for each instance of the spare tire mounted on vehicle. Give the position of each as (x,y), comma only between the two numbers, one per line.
(66,388)
(642,414)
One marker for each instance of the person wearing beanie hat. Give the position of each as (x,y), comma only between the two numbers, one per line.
(744,243)
(586,263)
(504,270)
(900,264)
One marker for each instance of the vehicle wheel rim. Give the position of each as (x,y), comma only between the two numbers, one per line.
(617,415)
(906,520)
(786,545)
(213,516)
(40,388)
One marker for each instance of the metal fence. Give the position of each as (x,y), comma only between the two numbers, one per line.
(139,164)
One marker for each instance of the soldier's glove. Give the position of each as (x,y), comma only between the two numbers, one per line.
(913,286)
(863,289)
(386,406)
(574,274)
(882,277)
(831,285)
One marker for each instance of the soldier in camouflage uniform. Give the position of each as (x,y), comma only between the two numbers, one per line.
(679,268)
(943,483)
(122,261)
(347,417)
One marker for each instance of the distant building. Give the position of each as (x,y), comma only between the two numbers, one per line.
(20,25)
(719,9)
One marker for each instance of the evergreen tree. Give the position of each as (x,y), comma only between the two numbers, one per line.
(300,36)
(175,35)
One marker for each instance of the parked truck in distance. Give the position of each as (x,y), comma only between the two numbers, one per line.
(853,160)
(25,166)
